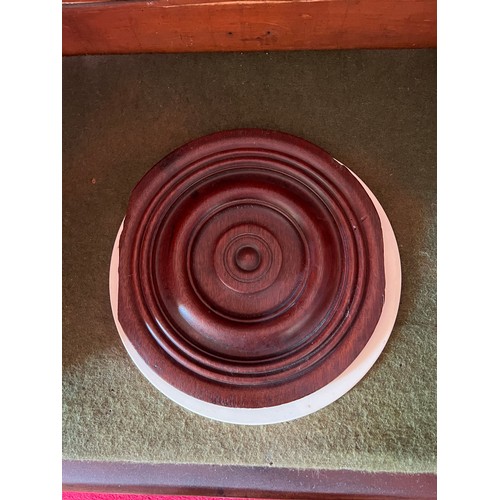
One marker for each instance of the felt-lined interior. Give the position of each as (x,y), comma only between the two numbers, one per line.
(375,111)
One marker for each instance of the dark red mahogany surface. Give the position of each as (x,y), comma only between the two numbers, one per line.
(251,268)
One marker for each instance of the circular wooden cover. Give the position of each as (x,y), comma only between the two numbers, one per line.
(251,269)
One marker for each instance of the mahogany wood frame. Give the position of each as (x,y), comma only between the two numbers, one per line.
(143,26)
(244,481)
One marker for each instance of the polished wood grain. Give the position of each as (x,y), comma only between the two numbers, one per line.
(251,268)
(118,27)
(245,481)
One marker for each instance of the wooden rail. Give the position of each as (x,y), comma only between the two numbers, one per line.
(239,481)
(119,27)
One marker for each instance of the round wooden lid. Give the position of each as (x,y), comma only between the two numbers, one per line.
(251,269)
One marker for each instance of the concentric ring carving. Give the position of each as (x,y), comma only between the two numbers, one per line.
(251,268)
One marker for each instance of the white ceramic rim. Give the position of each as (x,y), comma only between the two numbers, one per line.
(312,402)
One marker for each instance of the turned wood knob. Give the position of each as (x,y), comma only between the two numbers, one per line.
(251,269)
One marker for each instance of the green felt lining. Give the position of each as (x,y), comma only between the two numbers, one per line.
(373,110)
